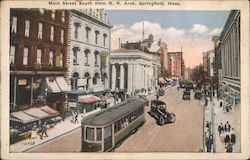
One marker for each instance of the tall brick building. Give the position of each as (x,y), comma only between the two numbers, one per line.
(38,58)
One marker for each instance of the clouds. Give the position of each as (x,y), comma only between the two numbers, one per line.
(198,28)
(193,41)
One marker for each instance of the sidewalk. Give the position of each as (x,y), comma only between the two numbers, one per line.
(220,116)
(58,130)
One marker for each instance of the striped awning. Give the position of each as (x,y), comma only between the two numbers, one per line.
(62,84)
(52,85)
(21,116)
(88,99)
(49,110)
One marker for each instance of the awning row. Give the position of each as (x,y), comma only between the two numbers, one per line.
(33,114)
(58,84)
(88,99)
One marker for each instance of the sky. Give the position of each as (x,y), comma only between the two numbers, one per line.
(190,30)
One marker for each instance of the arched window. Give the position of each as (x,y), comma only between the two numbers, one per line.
(104,77)
(96,53)
(104,39)
(87,76)
(76,25)
(96,76)
(96,36)
(75,55)
(87,29)
(86,54)
(74,79)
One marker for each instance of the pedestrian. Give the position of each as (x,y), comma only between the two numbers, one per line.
(157,95)
(227,127)
(222,127)
(44,130)
(221,103)
(219,129)
(229,148)
(76,117)
(206,101)
(233,136)
(227,138)
(208,144)
(222,137)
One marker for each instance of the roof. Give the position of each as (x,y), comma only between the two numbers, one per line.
(125,50)
(111,114)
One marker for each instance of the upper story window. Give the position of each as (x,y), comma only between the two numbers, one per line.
(27,28)
(96,57)
(25,56)
(76,25)
(62,36)
(96,36)
(52,33)
(87,29)
(41,11)
(12,54)
(61,59)
(90,134)
(86,52)
(75,54)
(53,14)
(104,39)
(63,16)
(40,31)
(14,24)
(51,58)
(39,56)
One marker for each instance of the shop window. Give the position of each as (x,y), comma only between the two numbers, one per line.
(90,134)
(98,134)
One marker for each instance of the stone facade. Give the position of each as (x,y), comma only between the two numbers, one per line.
(89,44)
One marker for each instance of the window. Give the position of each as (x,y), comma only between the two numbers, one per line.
(62,36)
(39,56)
(76,25)
(104,39)
(95,78)
(12,54)
(14,24)
(87,29)
(63,16)
(53,14)
(96,58)
(51,58)
(41,11)
(52,33)
(40,31)
(86,56)
(27,28)
(25,56)
(90,134)
(75,59)
(61,59)
(96,36)
(98,134)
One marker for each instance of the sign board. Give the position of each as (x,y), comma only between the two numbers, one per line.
(72,104)
(22,82)
(103,56)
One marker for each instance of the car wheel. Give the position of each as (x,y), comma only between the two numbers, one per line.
(172,118)
(161,121)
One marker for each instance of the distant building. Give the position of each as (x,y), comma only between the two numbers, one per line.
(229,52)
(205,64)
(176,65)
(89,50)
(210,62)
(136,65)
(38,58)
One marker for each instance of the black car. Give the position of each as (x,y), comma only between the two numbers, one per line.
(159,112)
(161,92)
(190,86)
(186,94)
(198,94)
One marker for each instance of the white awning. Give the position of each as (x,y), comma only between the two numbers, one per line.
(52,85)
(23,117)
(62,84)
(35,112)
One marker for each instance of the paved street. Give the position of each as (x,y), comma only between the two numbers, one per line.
(184,135)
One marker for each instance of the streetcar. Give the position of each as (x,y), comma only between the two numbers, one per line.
(105,130)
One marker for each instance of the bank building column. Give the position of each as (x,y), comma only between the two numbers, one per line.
(122,76)
(113,77)
(130,77)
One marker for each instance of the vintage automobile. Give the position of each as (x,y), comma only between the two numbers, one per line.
(186,94)
(159,112)
(197,94)
(190,85)
(161,92)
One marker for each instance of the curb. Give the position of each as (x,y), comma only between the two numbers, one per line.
(51,139)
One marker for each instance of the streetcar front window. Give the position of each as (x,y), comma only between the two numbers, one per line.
(90,134)
(98,134)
